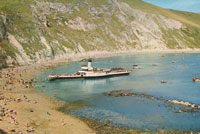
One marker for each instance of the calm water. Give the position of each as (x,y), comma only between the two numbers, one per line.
(134,112)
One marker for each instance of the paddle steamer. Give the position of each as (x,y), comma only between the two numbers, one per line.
(90,72)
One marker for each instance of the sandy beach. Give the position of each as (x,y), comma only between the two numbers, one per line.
(24,110)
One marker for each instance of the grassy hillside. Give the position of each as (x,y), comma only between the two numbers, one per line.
(192,19)
(31,31)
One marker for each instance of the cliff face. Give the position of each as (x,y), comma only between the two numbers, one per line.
(33,31)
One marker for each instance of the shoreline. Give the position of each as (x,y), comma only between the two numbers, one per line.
(24,109)
(38,113)
(108,128)
(105,54)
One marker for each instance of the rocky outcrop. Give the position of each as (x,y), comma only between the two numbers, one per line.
(3,37)
(3,30)
(119,93)
(3,59)
(184,106)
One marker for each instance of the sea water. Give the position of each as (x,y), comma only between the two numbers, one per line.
(133,112)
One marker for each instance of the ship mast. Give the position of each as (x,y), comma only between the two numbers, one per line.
(67,68)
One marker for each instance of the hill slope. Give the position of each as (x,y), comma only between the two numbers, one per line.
(32,31)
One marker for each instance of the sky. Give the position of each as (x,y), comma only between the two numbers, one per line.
(182,5)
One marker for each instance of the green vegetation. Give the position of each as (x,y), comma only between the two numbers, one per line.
(21,24)
(8,49)
(192,19)
(27,21)
(191,37)
(3,58)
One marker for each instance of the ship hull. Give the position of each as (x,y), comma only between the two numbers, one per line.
(57,77)
(107,75)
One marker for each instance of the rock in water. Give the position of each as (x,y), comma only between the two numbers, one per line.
(118,93)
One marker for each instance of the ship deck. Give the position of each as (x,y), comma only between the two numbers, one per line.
(97,74)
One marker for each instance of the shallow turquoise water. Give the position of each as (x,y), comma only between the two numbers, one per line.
(134,112)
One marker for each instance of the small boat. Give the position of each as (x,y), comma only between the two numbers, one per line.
(196,79)
(137,67)
(90,72)
(163,81)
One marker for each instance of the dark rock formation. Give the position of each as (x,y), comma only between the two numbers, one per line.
(3,31)
(184,106)
(3,58)
(118,93)
(2,132)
